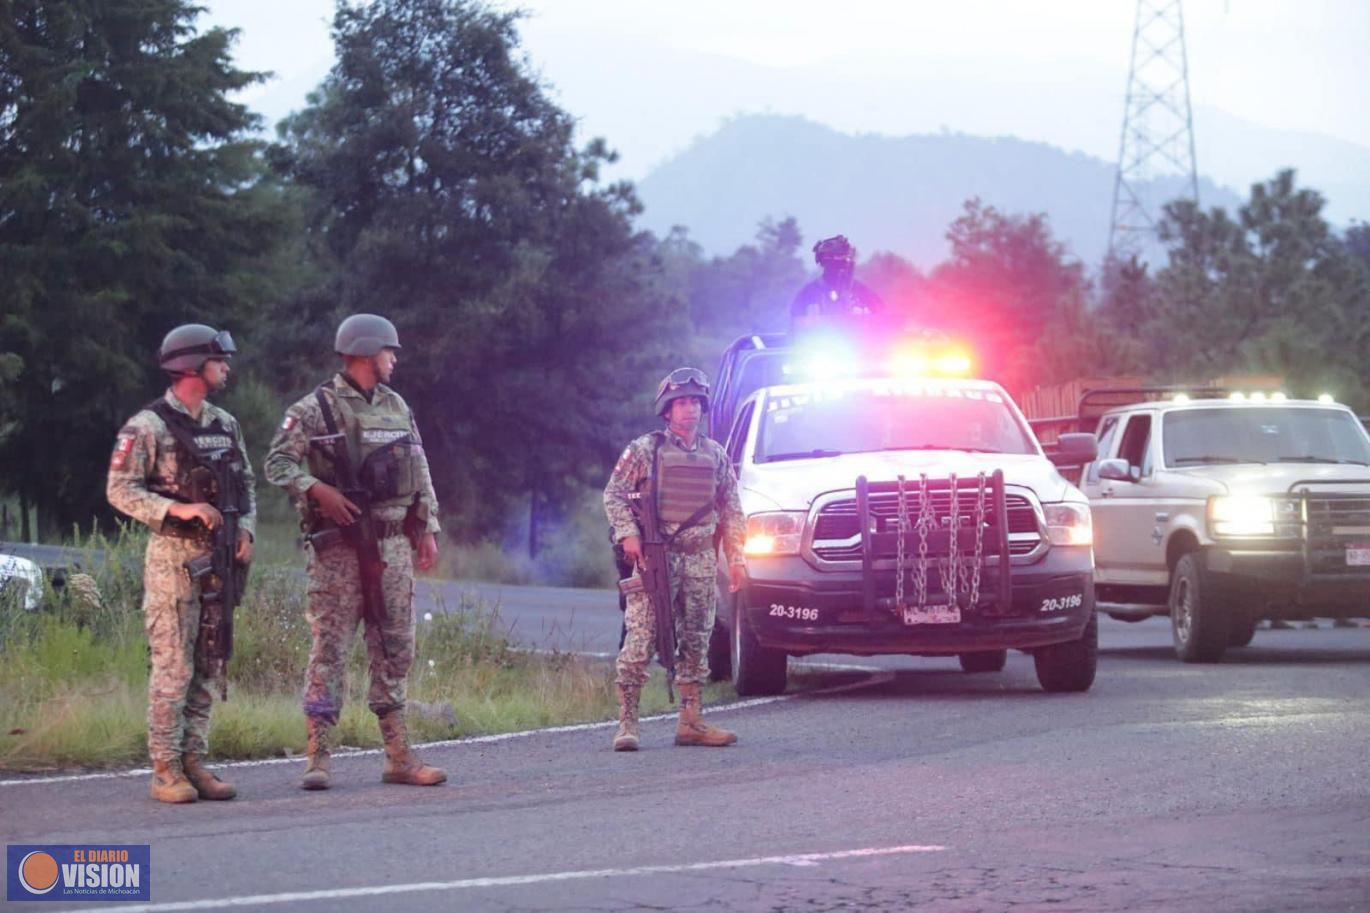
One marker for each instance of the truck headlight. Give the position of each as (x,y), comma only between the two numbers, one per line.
(1246,515)
(775,532)
(1069,524)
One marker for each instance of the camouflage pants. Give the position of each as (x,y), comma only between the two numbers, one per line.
(694,592)
(178,695)
(334,608)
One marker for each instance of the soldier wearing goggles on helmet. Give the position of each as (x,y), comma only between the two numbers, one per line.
(153,479)
(698,507)
(835,295)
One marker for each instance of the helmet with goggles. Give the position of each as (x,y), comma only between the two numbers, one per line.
(186,348)
(682,382)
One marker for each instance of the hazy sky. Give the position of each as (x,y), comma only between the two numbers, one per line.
(650,76)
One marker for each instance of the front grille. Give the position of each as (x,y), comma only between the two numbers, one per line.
(1338,514)
(1332,522)
(837,533)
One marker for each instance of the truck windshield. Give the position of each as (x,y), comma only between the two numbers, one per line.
(896,416)
(1272,434)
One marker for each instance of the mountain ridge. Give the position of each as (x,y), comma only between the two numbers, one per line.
(896,194)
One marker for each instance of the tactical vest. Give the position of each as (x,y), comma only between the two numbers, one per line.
(386,454)
(208,461)
(686,483)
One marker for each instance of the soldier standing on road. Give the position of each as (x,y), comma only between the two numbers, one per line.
(150,481)
(355,425)
(695,481)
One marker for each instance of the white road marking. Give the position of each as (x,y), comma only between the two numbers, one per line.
(876,676)
(801,859)
(364,752)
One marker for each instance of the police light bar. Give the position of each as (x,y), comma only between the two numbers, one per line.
(833,357)
(824,357)
(929,362)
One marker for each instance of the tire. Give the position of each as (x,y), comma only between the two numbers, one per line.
(755,669)
(1070,666)
(1199,618)
(720,653)
(1240,631)
(983,661)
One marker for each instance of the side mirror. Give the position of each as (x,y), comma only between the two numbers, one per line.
(1074,450)
(1116,471)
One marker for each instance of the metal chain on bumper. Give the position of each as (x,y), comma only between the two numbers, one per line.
(971,586)
(901,525)
(927,521)
(948,568)
(958,577)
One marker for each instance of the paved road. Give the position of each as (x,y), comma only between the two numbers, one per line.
(536,616)
(544,617)
(1168,787)
(54,556)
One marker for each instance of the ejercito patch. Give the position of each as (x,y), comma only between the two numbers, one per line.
(382,435)
(213,441)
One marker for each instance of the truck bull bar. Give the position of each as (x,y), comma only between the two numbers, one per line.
(924,526)
(1329,522)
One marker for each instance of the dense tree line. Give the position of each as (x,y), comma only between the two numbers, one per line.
(431,178)
(130,200)
(444,191)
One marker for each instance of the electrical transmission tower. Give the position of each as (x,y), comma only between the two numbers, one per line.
(1158,127)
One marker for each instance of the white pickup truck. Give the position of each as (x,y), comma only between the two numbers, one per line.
(1224,509)
(910,515)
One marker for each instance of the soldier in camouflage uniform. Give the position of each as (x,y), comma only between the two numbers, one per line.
(149,480)
(355,414)
(695,482)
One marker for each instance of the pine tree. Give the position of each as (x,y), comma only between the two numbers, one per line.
(1272,290)
(129,203)
(448,196)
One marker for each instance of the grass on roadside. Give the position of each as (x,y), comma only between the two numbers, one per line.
(73,676)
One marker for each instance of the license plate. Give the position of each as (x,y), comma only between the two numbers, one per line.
(932,615)
(1358,555)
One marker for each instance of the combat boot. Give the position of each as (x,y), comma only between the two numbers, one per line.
(692,730)
(169,783)
(206,784)
(401,764)
(626,739)
(316,770)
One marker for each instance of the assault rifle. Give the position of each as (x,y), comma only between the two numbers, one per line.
(654,576)
(220,576)
(360,535)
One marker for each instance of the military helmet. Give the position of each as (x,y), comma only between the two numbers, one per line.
(681,382)
(365,335)
(836,250)
(186,348)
